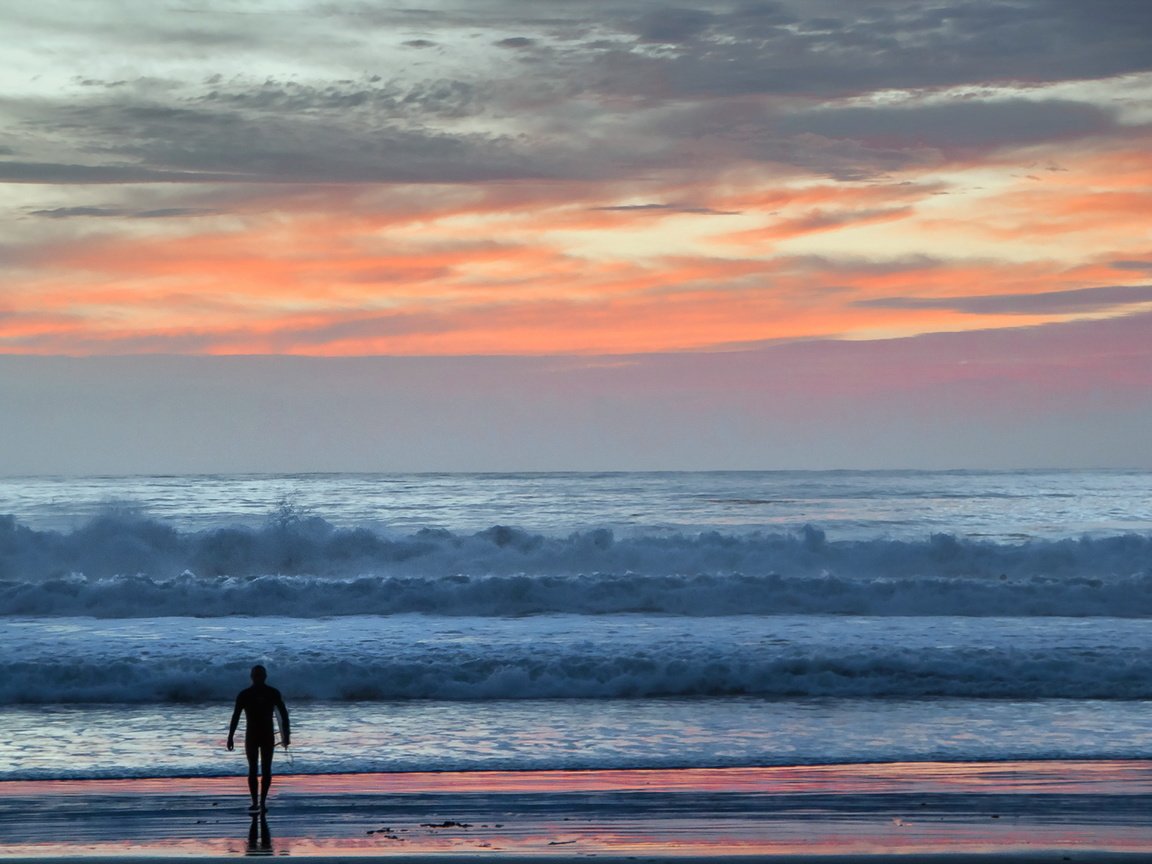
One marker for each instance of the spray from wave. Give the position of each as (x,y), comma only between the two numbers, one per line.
(123,564)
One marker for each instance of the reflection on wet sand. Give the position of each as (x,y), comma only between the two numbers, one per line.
(820,810)
(259,837)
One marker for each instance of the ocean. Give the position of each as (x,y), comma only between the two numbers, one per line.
(446,622)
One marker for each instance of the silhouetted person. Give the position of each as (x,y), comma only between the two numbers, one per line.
(259,703)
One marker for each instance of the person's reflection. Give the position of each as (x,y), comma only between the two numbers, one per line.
(259,838)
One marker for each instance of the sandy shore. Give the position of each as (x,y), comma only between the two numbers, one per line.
(1027,811)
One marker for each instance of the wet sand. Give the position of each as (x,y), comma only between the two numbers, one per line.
(954,812)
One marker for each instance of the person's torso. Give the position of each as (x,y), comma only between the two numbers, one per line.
(259,704)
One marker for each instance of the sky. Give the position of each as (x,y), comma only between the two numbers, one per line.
(294,235)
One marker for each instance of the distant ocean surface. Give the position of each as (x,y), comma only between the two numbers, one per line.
(610,620)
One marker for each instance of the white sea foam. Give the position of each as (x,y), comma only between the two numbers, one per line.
(183,740)
(128,566)
(417,657)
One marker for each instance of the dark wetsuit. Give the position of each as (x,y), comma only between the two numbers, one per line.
(259,703)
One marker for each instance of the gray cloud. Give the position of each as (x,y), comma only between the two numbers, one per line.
(673,24)
(72,212)
(206,142)
(667,208)
(894,44)
(65,173)
(614,92)
(95,82)
(1077,300)
(1138,266)
(372,98)
(359,326)
(739,132)
(958,124)
(121,213)
(835,218)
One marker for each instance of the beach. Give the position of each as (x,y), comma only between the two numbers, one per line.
(760,665)
(1038,811)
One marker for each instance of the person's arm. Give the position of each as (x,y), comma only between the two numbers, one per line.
(285,729)
(235,722)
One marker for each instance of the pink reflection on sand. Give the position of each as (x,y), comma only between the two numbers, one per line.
(853,810)
(687,839)
(1087,777)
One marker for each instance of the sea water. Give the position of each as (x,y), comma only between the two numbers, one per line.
(534,621)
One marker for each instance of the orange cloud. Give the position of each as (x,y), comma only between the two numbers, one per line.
(534,268)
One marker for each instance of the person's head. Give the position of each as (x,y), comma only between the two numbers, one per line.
(259,674)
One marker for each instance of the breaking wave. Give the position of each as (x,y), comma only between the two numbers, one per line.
(122,565)
(378,659)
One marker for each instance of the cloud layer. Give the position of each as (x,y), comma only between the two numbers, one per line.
(304,177)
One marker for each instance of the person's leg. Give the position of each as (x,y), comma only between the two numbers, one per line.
(266,752)
(252,751)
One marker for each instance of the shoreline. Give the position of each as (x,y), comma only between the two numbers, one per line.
(1082,810)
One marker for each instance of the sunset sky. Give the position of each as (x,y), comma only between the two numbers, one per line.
(502,234)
